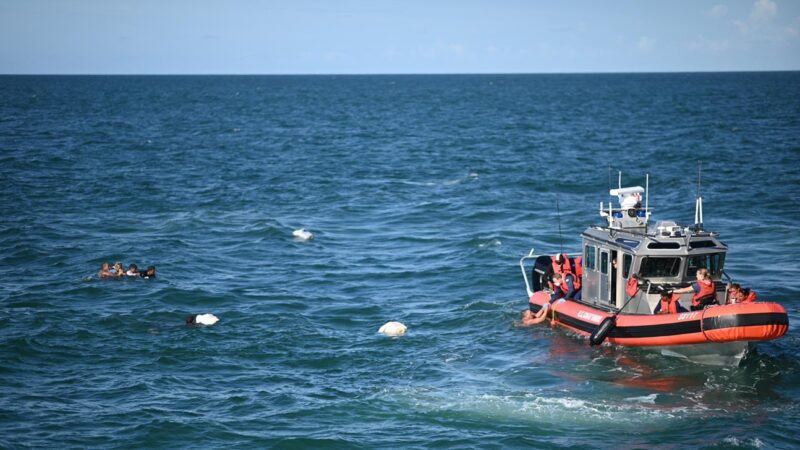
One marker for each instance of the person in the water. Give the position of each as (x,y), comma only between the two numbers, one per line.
(119,271)
(149,273)
(530,318)
(132,271)
(105,272)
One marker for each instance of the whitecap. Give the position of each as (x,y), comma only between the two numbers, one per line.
(540,408)
(491,243)
(651,399)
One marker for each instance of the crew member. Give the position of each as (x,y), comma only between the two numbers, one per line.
(565,286)
(560,264)
(669,304)
(705,292)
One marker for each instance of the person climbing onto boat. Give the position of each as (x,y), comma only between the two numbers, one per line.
(669,304)
(565,286)
(530,317)
(705,292)
(737,294)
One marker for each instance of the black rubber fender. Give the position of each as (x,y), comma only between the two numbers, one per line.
(602,330)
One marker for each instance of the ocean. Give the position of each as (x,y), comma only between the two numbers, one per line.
(423,192)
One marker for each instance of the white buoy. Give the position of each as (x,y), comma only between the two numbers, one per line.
(393,329)
(303,234)
(206,319)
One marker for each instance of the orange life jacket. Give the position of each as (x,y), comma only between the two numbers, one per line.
(670,305)
(707,289)
(633,287)
(578,262)
(744,296)
(565,287)
(578,281)
(563,266)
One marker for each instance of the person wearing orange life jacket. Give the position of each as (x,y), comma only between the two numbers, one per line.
(705,292)
(560,264)
(567,286)
(572,279)
(578,268)
(739,295)
(669,304)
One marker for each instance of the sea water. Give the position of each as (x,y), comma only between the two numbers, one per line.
(422,192)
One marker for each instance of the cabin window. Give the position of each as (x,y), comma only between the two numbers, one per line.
(604,262)
(702,244)
(664,245)
(712,261)
(630,243)
(590,257)
(626,264)
(660,267)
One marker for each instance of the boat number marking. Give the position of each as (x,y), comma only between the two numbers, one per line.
(589,316)
(688,315)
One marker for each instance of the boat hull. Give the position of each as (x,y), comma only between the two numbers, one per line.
(742,322)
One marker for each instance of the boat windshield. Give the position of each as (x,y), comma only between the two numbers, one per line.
(660,267)
(711,261)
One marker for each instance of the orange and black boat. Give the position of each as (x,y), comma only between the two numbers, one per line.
(627,268)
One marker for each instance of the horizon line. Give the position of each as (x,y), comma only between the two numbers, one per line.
(404,73)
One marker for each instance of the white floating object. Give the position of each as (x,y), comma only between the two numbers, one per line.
(393,329)
(206,319)
(303,234)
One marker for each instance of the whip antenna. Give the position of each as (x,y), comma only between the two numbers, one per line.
(699,166)
(698,204)
(558,216)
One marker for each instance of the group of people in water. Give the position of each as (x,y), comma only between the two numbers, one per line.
(118,271)
(564,282)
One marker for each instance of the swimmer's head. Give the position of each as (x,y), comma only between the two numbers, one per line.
(190,320)
(151,272)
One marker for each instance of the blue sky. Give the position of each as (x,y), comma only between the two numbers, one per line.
(410,36)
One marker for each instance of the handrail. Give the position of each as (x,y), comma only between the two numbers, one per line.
(530,255)
(725,274)
(533,255)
